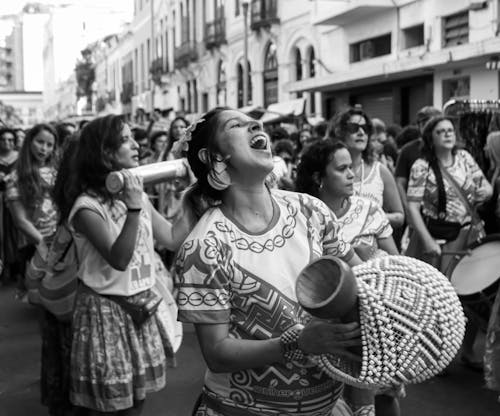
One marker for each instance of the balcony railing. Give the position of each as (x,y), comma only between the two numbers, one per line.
(264,13)
(185,53)
(215,33)
(127,92)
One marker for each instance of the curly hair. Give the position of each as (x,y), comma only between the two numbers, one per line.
(313,165)
(428,151)
(32,187)
(337,129)
(93,160)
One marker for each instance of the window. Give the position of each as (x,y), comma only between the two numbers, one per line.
(237,7)
(143,78)
(195,96)
(204,102)
(271,76)
(240,85)
(458,88)
(456,29)
(311,61)
(221,84)
(166,50)
(413,36)
(371,48)
(298,65)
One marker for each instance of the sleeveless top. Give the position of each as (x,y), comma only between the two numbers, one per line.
(371,187)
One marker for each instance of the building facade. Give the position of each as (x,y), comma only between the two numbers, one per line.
(389,56)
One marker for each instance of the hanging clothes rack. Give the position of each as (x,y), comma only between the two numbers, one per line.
(474,119)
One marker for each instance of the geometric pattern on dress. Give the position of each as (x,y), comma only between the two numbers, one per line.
(242,243)
(412,324)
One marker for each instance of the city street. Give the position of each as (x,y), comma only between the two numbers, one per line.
(460,393)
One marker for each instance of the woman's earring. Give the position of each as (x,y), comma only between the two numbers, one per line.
(218,177)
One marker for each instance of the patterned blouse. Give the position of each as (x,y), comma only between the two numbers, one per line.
(364,223)
(44,216)
(225,274)
(422,187)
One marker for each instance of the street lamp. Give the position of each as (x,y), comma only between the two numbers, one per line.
(245,4)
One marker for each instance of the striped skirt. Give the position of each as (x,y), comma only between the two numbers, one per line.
(114,362)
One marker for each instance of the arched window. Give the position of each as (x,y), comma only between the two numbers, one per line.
(271,75)
(240,85)
(298,65)
(311,62)
(221,84)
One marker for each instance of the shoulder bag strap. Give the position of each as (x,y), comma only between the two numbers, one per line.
(441,208)
(472,211)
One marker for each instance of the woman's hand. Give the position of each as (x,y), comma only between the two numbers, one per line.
(319,336)
(432,248)
(132,190)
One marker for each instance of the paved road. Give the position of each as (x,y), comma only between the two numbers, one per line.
(458,394)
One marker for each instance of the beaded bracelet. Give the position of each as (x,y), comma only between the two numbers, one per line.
(289,345)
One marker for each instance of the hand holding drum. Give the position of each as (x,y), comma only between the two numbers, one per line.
(150,174)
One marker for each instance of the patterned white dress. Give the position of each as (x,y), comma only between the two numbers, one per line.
(225,274)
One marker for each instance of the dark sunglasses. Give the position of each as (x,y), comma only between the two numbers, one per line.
(354,128)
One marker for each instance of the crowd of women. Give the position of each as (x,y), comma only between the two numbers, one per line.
(235,232)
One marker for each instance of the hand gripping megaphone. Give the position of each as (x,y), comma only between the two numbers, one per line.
(151,174)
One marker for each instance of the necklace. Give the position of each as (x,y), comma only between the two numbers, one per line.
(362,176)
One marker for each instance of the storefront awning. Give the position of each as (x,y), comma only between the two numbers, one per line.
(286,109)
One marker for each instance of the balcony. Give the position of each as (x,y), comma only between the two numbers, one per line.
(215,33)
(263,14)
(127,92)
(345,13)
(185,53)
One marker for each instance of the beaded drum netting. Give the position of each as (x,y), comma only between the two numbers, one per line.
(412,324)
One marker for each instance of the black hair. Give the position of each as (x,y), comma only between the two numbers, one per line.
(407,135)
(313,163)
(4,130)
(428,151)
(204,136)
(93,160)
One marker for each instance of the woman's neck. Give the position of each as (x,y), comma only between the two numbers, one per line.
(251,206)
(338,204)
(357,159)
(444,156)
(6,153)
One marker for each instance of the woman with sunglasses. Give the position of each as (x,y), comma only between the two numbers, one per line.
(372,180)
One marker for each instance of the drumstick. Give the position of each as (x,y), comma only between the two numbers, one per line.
(459,252)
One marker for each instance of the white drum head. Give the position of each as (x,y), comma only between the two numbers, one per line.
(477,270)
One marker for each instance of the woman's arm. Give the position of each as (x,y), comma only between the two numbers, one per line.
(22,221)
(388,245)
(117,253)
(431,246)
(392,202)
(224,354)
(172,235)
(93,226)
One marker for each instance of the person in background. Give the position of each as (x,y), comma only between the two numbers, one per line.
(390,155)
(176,131)
(372,179)
(392,132)
(407,135)
(433,201)
(28,194)
(159,146)
(319,130)
(64,130)
(490,211)
(325,172)
(20,135)
(247,250)
(410,152)
(8,232)
(117,355)
(145,152)
(30,202)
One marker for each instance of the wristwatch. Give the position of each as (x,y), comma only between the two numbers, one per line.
(290,346)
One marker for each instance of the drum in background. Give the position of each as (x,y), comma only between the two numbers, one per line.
(476,277)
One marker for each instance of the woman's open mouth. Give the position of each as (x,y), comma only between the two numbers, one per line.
(259,142)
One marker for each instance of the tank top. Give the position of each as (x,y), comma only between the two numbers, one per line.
(371,187)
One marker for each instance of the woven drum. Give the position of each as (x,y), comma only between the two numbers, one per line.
(412,324)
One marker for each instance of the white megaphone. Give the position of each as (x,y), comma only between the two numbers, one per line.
(152,173)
